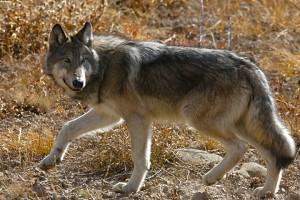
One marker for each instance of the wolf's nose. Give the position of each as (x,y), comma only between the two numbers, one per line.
(78,84)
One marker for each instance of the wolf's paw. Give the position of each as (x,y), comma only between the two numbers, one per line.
(261,192)
(122,187)
(210,179)
(48,162)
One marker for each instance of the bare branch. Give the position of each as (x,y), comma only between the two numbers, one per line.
(229,31)
(201,24)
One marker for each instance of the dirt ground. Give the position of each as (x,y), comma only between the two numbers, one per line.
(72,179)
(33,109)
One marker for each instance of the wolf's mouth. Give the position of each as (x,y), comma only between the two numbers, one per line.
(74,89)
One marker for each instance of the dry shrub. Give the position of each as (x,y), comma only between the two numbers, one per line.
(19,149)
(25,26)
(110,152)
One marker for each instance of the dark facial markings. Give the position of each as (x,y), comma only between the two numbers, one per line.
(83,59)
(67,60)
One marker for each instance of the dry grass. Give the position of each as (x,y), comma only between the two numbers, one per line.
(32,109)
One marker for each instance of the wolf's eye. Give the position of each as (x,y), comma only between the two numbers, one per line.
(83,60)
(67,60)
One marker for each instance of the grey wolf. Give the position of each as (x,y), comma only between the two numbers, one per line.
(218,92)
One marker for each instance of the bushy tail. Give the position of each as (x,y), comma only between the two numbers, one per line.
(280,143)
(263,122)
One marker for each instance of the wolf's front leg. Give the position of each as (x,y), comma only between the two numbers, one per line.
(88,122)
(140,134)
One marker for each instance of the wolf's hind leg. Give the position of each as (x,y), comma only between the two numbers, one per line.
(274,171)
(140,135)
(88,122)
(275,145)
(272,181)
(235,149)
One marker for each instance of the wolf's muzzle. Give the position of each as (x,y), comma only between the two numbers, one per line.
(78,84)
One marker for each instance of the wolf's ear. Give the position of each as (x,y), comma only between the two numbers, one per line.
(57,37)
(85,35)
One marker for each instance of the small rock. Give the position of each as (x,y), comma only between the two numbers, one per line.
(252,169)
(108,195)
(165,190)
(201,196)
(42,178)
(42,173)
(38,188)
(243,173)
(198,156)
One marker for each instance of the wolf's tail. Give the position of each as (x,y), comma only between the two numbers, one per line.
(262,120)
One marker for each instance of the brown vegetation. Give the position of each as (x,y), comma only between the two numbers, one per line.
(32,108)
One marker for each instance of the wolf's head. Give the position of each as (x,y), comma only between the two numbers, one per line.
(71,61)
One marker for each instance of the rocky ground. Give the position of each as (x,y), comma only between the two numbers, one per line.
(178,180)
